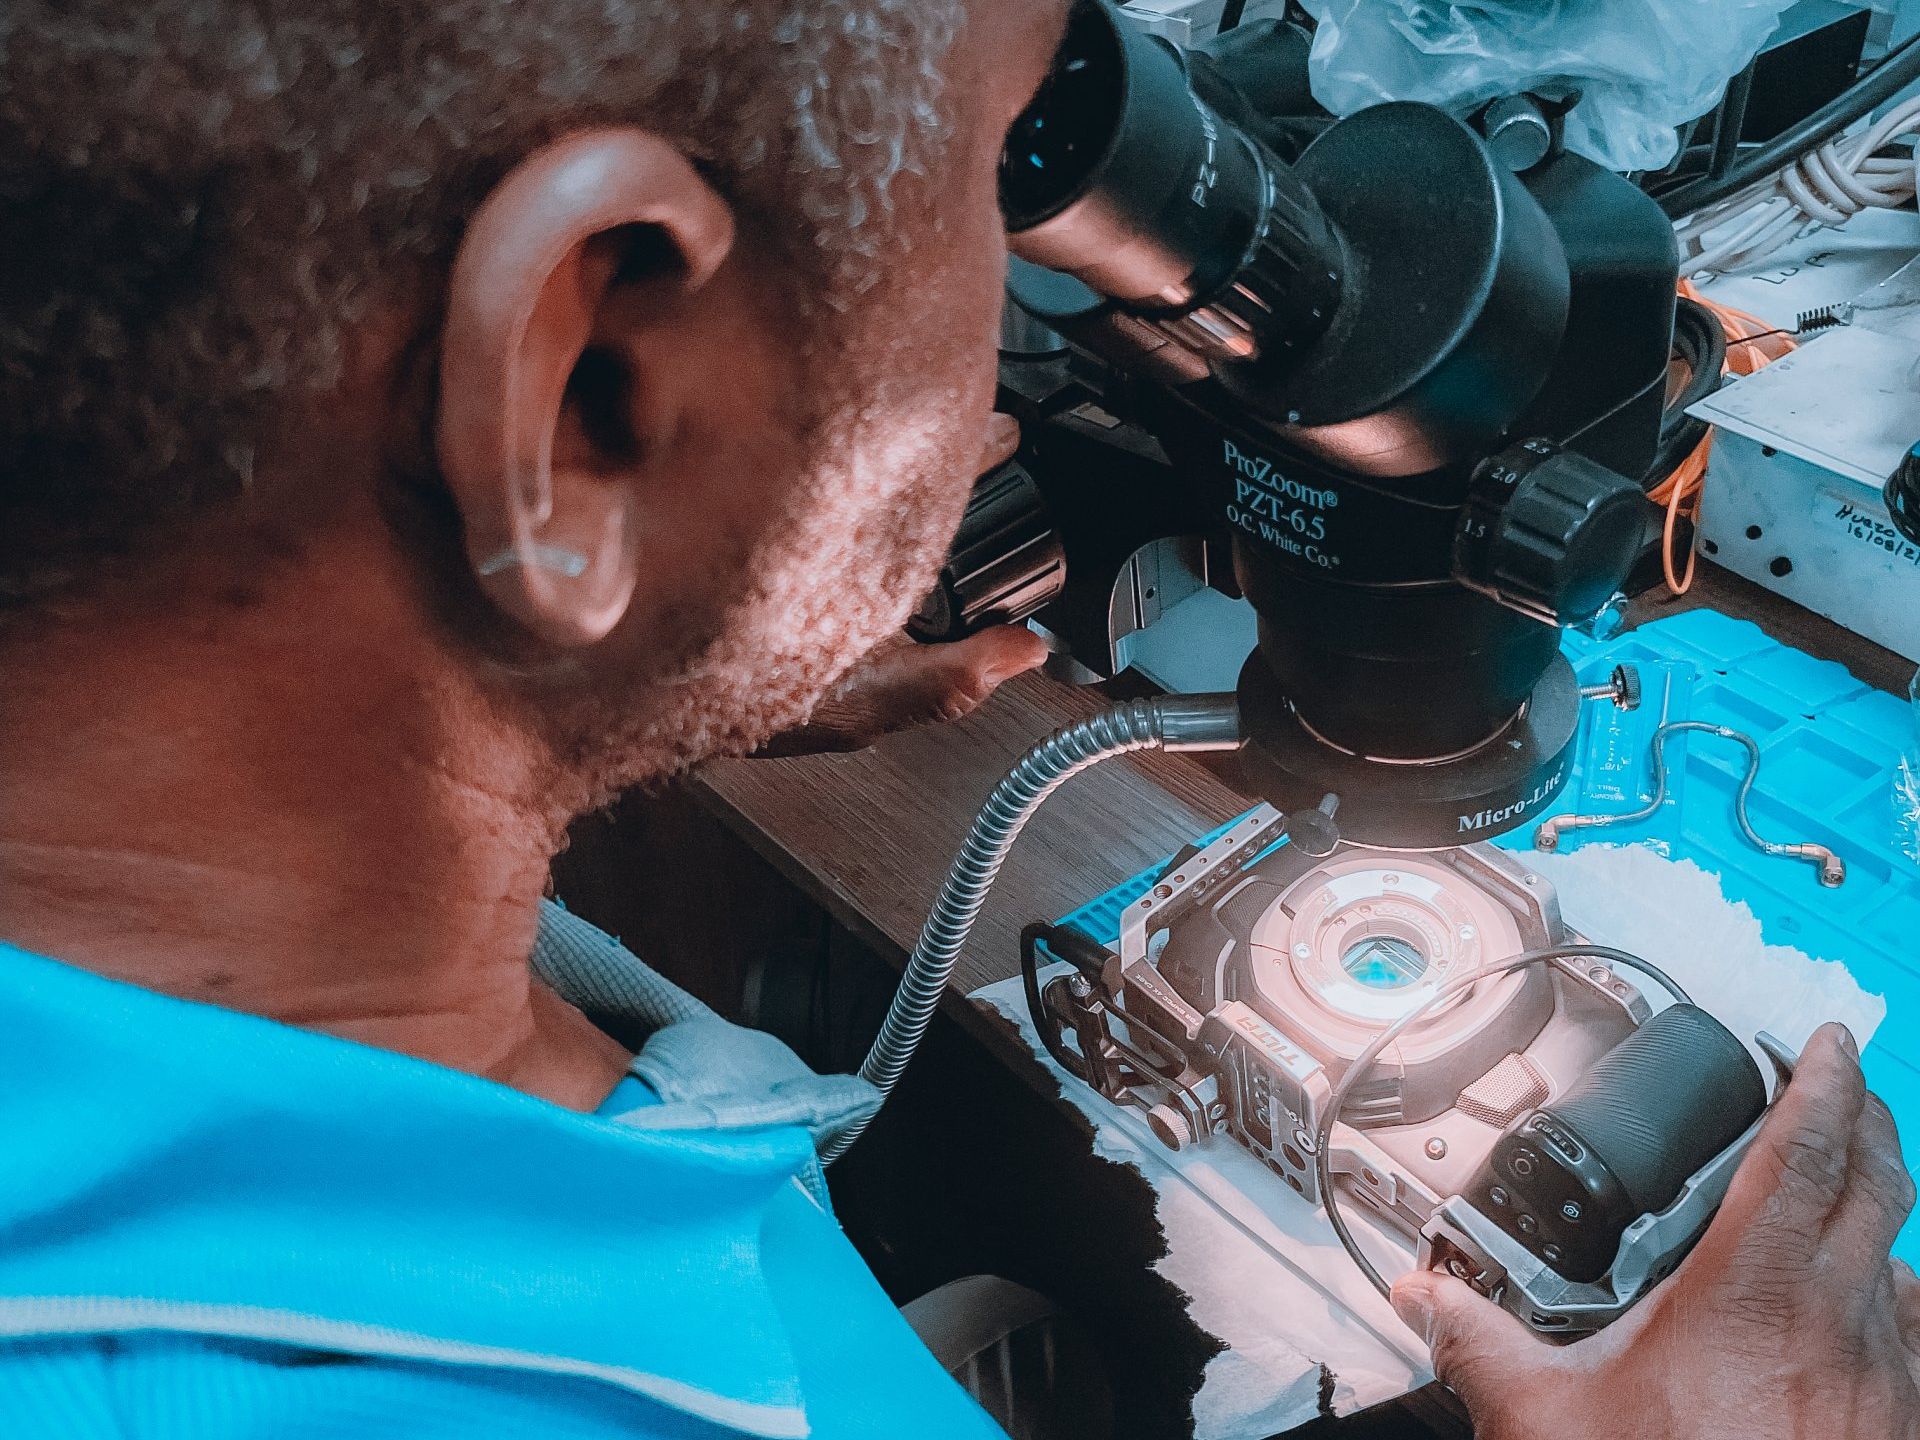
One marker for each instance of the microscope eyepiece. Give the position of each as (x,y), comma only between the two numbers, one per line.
(1119,175)
(1063,139)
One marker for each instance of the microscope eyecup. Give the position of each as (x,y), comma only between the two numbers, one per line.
(1121,176)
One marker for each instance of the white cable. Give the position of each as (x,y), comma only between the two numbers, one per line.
(1826,186)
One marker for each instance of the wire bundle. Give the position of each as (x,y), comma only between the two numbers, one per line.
(1750,343)
(1828,184)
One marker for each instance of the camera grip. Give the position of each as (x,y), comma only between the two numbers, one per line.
(1568,1180)
(1663,1102)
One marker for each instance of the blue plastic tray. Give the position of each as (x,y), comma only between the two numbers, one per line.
(1830,746)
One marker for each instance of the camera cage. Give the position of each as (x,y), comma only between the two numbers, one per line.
(1142,1043)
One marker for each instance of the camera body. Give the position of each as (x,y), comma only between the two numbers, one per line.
(1547,1134)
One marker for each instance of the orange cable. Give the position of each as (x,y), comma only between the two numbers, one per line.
(1751,345)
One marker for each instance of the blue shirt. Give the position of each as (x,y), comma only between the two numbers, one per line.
(216,1227)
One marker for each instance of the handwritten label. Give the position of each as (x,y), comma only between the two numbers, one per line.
(1866,525)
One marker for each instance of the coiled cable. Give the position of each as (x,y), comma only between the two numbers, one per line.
(1191,722)
(1363,1064)
(1745,345)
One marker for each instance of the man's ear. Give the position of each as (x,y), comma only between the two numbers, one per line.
(535,419)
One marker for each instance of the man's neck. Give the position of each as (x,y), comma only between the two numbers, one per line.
(320,838)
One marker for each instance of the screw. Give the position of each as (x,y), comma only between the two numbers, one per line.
(1467,932)
(1622,688)
(1459,1269)
(1303,950)
(1436,1149)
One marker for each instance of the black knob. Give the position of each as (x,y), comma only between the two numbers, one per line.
(1313,832)
(1005,562)
(1549,533)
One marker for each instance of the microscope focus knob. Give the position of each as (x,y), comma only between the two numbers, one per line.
(1549,533)
(1006,562)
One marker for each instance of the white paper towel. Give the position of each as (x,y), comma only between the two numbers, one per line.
(1263,1271)
(1673,913)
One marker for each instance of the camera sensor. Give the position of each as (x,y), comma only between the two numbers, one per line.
(1384,962)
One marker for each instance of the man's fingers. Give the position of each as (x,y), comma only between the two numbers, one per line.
(1003,440)
(1879,1193)
(900,686)
(1480,1352)
(944,682)
(1792,1180)
(995,655)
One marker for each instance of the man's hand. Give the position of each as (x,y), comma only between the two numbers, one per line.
(901,685)
(1787,1322)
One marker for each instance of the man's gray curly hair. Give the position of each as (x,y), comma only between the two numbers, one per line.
(200,198)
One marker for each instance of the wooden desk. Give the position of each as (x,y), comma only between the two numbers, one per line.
(870,836)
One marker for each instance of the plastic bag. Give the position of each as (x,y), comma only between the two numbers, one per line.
(1643,67)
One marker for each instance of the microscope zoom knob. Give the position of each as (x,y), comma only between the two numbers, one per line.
(1549,533)
(1005,562)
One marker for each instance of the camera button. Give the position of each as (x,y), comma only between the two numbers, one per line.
(1559,1139)
(1523,1163)
(1572,1211)
(1498,1195)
